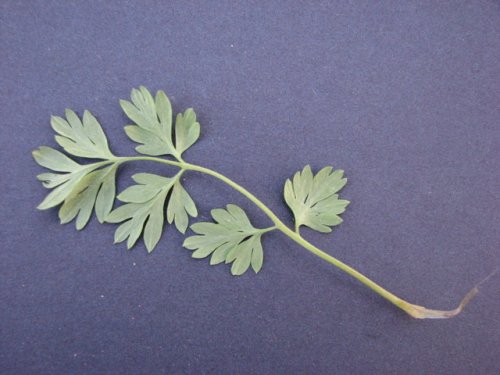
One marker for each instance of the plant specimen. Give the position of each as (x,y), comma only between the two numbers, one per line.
(81,189)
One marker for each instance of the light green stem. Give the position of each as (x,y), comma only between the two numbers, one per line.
(295,236)
(413,310)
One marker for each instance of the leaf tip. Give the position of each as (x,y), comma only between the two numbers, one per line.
(35,154)
(235,273)
(69,112)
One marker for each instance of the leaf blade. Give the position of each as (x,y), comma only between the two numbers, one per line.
(84,139)
(187,130)
(152,119)
(55,160)
(145,208)
(231,238)
(313,199)
(106,196)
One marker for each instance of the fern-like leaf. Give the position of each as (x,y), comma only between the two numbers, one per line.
(231,239)
(144,209)
(313,199)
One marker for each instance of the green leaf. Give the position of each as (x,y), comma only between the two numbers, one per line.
(143,211)
(63,184)
(51,180)
(179,207)
(96,188)
(85,139)
(154,227)
(62,191)
(79,190)
(52,159)
(164,111)
(187,130)
(106,197)
(313,199)
(151,144)
(231,239)
(153,122)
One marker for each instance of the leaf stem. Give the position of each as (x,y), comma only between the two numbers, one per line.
(265,230)
(122,159)
(297,228)
(415,311)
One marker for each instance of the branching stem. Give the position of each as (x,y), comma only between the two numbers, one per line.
(413,310)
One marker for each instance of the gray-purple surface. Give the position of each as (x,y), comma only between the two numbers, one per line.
(404,96)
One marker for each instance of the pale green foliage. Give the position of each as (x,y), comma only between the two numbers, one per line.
(180,205)
(96,188)
(232,238)
(313,199)
(84,188)
(187,130)
(81,189)
(85,139)
(144,209)
(153,119)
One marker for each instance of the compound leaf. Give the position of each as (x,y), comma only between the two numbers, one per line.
(313,199)
(231,239)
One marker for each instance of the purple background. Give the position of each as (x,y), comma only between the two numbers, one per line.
(404,96)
